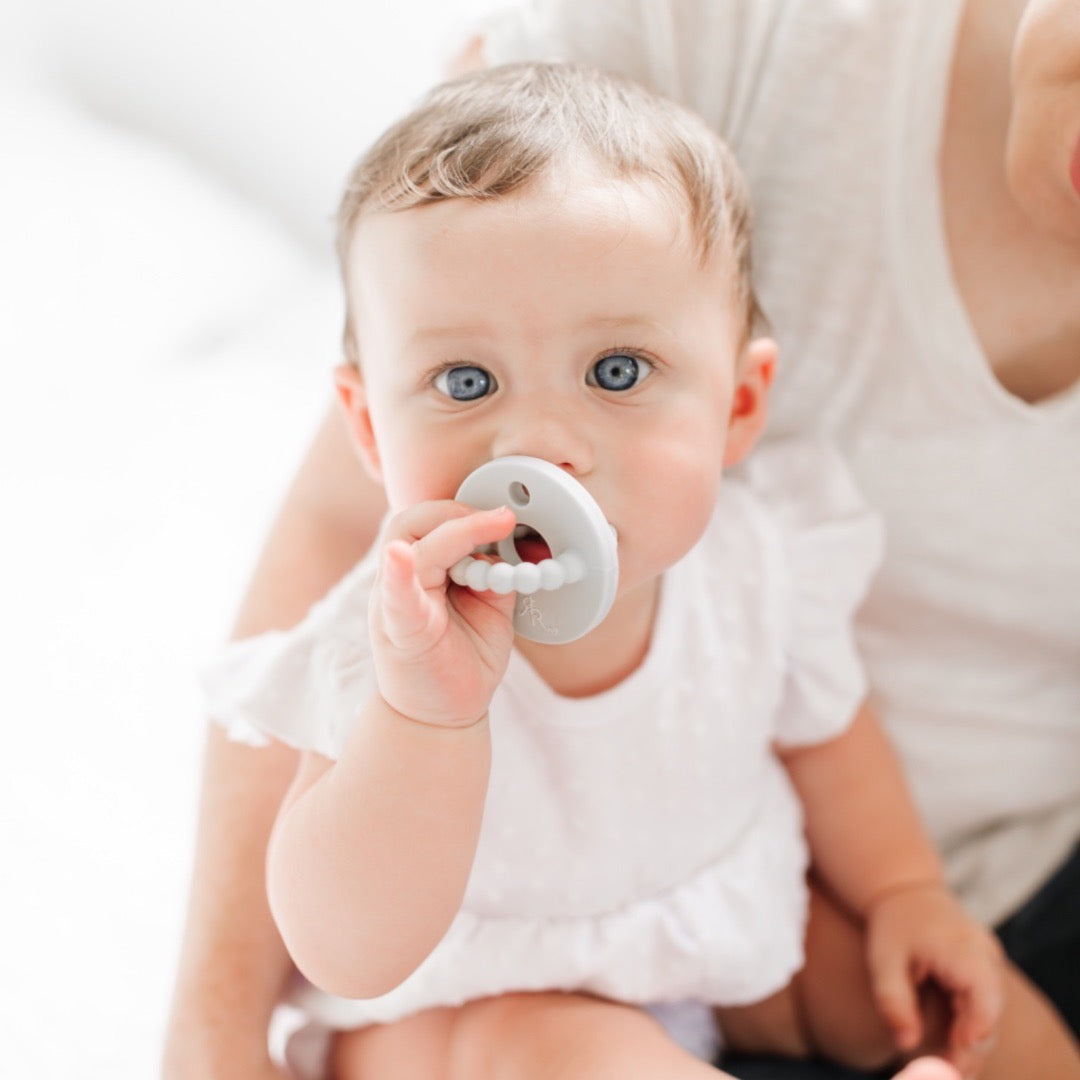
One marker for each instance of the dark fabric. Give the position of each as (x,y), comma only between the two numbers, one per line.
(779,1069)
(1042,939)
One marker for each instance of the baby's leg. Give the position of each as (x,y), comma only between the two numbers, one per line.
(828,1010)
(547,1036)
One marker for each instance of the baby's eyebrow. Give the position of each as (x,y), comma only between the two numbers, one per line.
(626,326)
(442,333)
(627,322)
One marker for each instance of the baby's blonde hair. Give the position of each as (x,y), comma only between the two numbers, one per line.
(491,132)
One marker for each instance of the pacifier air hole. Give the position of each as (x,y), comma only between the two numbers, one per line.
(519,494)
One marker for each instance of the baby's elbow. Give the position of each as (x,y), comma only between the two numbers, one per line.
(348,965)
(358,979)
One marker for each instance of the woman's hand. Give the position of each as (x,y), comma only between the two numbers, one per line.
(440,649)
(921,934)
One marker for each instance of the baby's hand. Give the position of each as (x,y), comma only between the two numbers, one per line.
(921,934)
(440,649)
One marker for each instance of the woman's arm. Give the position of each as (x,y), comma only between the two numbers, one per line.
(232,963)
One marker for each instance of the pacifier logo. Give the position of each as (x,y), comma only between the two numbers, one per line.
(529,609)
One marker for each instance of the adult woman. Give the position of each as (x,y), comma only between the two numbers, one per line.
(919,245)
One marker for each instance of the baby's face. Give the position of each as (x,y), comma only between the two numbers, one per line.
(571,322)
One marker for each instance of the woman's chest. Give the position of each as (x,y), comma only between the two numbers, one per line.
(1022,296)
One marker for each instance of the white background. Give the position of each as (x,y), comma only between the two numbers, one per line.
(168,319)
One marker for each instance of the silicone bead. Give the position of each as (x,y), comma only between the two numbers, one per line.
(573,567)
(551,577)
(501,577)
(476,575)
(527,578)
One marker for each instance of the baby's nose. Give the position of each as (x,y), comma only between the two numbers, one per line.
(558,437)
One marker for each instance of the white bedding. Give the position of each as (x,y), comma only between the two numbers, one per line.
(167,328)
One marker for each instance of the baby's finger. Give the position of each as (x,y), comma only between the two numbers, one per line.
(971,1038)
(408,615)
(417,521)
(897,1001)
(969,1060)
(451,541)
(974,983)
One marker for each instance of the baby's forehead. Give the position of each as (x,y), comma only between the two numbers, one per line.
(574,253)
(580,198)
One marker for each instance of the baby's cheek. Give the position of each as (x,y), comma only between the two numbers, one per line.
(422,477)
(682,488)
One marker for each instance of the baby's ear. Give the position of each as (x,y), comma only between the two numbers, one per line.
(353,398)
(749,403)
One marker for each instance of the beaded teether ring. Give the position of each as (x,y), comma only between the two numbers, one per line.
(560,598)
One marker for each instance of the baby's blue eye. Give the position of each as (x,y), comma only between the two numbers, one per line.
(618,372)
(465,383)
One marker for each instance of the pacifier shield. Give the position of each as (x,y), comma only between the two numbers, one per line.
(567,595)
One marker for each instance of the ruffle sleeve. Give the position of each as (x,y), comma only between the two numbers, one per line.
(303,686)
(833,543)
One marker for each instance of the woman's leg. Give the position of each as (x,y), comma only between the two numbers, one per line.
(1043,940)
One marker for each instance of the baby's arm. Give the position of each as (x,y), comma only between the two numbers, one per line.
(871,852)
(370,856)
(862,826)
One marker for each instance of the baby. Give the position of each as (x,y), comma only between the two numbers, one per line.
(507,858)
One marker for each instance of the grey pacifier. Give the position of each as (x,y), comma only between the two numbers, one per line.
(561,598)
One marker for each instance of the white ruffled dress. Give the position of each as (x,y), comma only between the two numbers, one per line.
(645,843)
